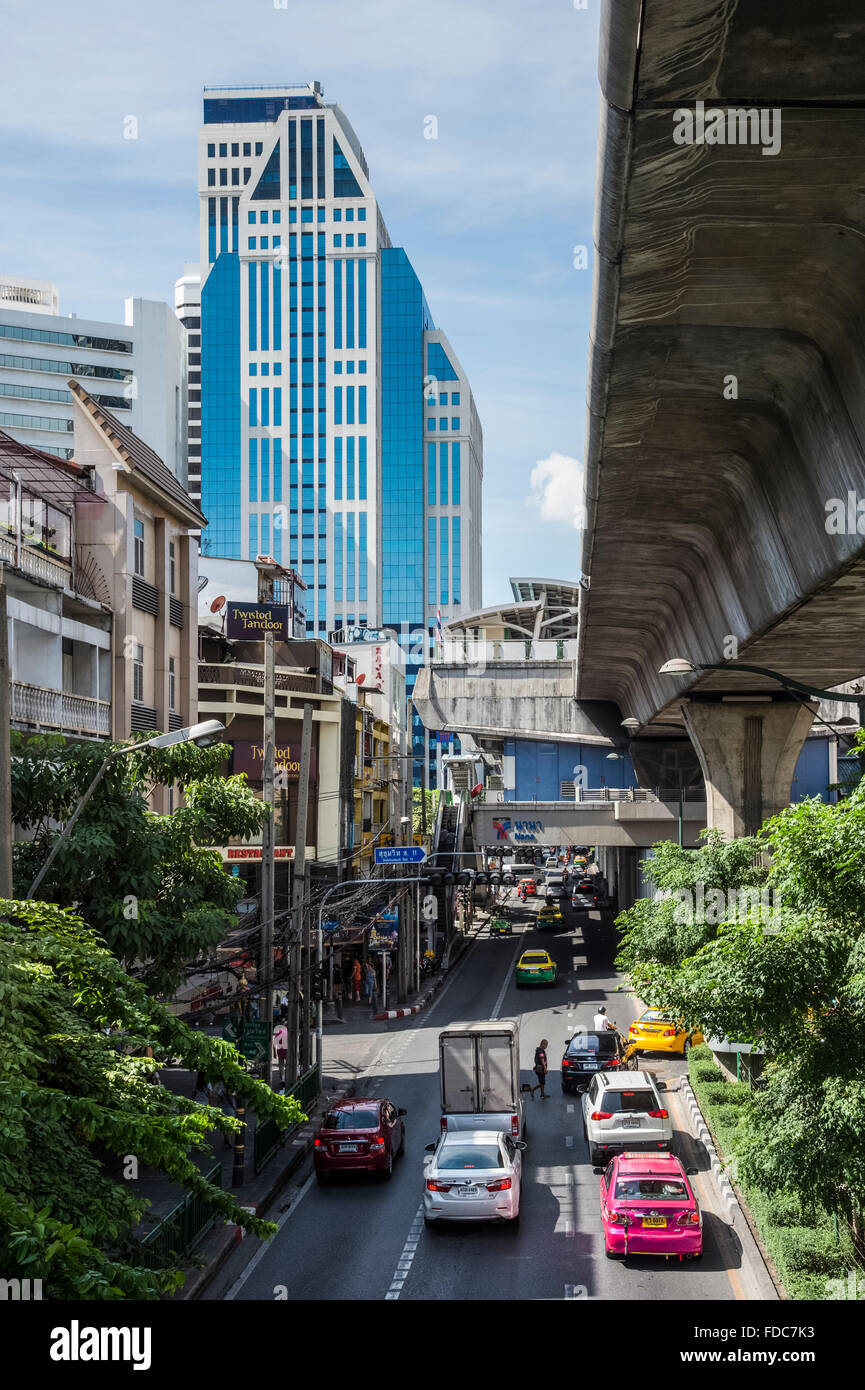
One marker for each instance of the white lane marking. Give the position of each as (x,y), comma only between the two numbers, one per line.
(404,1263)
(570,1109)
(506,981)
(260,1254)
(569,1139)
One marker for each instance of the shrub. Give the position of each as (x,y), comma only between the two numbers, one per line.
(724,1093)
(701,1053)
(705,1071)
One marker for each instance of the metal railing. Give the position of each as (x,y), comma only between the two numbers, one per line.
(36,563)
(268,1137)
(56,709)
(180,1230)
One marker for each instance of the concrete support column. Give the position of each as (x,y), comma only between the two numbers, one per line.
(748,751)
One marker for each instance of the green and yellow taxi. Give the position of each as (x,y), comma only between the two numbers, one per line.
(549,917)
(535,968)
(500,924)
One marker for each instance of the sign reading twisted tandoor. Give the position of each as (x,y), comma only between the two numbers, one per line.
(253,621)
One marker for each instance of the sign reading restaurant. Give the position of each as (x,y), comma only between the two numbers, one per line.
(253,621)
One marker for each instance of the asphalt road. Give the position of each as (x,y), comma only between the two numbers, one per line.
(364,1239)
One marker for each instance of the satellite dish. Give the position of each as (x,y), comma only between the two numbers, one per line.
(217,603)
(477,789)
(360,680)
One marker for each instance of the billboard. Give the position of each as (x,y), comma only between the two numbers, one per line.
(249,758)
(253,621)
(384,931)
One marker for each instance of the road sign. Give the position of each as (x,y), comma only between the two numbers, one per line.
(401,854)
(256,1036)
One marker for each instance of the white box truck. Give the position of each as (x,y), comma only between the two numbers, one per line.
(479,1068)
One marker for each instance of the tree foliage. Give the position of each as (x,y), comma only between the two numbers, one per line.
(75,1099)
(145,882)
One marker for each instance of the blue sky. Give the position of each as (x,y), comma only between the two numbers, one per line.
(489,213)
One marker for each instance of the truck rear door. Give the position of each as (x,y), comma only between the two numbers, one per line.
(459,1090)
(496,1072)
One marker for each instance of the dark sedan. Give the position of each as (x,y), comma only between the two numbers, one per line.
(359,1136)
(589,1052)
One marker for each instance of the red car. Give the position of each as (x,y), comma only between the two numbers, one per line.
(648,1207)
(359,1136)
(527,888)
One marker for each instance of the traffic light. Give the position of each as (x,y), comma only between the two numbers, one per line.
(318,984)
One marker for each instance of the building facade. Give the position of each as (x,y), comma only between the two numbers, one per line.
(338,429)
(187,307)
(136,369)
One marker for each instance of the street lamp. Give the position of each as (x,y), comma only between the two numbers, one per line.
(202,735)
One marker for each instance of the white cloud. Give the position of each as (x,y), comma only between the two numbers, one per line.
(557,489)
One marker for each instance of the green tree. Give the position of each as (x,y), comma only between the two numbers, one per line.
(76,1102)
(145,882)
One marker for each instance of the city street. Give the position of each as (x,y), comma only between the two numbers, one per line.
(364,1238)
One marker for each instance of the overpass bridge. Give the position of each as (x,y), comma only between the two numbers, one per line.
(726,418)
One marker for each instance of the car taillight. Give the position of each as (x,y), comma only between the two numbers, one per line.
(613,1062)
(565,1062)
(633,1028)
(602,1114)
(377,1142)
(515,1124)
(669,1032)
(318,1143)
(615,1218)
(502,1186)
(438,1186)
(658,1115)
(689,1218)
(444,1122)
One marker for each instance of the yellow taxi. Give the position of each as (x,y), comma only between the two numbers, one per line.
(657,1031)
(535,968)
(549,917)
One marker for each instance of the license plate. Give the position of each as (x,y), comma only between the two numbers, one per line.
(348,1148)
(654,1220)
(467,1191)
(591,1066)
(630,1124)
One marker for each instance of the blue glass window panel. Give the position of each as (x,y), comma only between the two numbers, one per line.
(361,238)
(337,239)
(337,405)
(337,214)
(349,214)
(265,406)
(292,214)
(221,408)
(253,369)
(322,215)
(443,559)
(337,468)
(319,157)
(455,398)
(252,287)
(349,557)
(337,304)
(277,472)
(361,468)
(277,312)
(349,467)
(349,405)
(276,241)
(349,240)
(431,559)
(443,398)
(431,424)
(265,242)
(349,304)
(277,542)
(253,470)
(455,473)
(292,164)
(264,327)
(306,158)
(361,366)
(211,178)
(443,422)
(431,474)
(443,474)
(361,563)
(265,534)
(455,424)
(438,363)
(276,215)
(211,230)
(361,405)
(211,151)
(306,214)
(361,304)
(253,537)
(345,184)
(277,366)
(361,214)
(321,240)
(337,369)
(268,185)
(253,407)
(264,215)
(277,405)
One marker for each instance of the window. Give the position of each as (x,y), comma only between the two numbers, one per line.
(138,673)
(443,398)
(455,424)
(172,683)
(349,214)
(337,214)
(276,215)
(211,151)
(211,178)
(223,177)
(235,151)
(361,238)
(250,217)
(172,568)
(247,149)
(252,243)
(361,214)
(223,151)
(337,240)
(455,397)
(349,240)
(258,146)
(138,548)
(235,176)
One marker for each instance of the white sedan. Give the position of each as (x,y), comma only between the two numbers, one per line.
(473,1175)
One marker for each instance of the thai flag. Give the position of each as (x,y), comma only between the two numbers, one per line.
(439,634)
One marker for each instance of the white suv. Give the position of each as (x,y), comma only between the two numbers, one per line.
(625,1112)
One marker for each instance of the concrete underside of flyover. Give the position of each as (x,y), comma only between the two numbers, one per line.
(727,371)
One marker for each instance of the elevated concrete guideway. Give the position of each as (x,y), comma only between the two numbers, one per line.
(727,357)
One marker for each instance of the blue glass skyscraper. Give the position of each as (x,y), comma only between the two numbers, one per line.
(339,434)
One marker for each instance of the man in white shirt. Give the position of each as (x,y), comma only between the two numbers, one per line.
(602,1024)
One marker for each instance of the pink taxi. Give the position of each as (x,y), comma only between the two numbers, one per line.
(648,1207)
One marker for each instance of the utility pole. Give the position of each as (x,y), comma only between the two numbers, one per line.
(5,753)
(299,1046)
(268,867)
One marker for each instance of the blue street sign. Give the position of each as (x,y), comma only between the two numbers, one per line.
(405,854)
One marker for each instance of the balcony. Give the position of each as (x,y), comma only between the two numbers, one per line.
(42,708)
(36,563)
